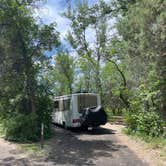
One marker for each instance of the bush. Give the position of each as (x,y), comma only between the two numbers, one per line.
(23,127)
(145,123)
(44,112)
(131,121)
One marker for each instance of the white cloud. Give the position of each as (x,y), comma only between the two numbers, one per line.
(53,13)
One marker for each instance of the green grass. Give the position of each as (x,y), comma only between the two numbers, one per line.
(2,134)
(1,129)
(31,149)
(34,149)
(28,148)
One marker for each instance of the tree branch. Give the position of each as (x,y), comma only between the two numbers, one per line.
(119,70)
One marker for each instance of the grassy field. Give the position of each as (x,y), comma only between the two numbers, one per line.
(33,149)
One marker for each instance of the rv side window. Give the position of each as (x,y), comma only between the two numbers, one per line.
(66,104)
(61,105)
(56,105)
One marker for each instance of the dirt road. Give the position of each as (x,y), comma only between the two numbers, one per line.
(99,147)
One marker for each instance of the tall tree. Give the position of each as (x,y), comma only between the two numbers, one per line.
(142,34)
(23,42)
(61,74)
(84,18)
(64,65)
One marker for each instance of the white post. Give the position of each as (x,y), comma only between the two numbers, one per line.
(42,134)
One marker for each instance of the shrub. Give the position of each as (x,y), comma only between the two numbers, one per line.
(131,121)
(150,123)
(44,111)
(21,127)
(145,123)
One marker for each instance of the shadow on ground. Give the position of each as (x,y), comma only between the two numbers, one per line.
(96,147)
(96,131)
(80,147)
(12,161)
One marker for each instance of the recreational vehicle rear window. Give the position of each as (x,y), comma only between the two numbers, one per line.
(86,101)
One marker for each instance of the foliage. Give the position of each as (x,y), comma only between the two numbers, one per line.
(23,43)
(84,19)
(64,71)
(44,112)
(145,123)
(92,53)
(60,76)
(125,63)
(27,127)
(19,127)
(142,47)
(112,86)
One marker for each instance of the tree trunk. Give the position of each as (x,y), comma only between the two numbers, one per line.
(29,77)
(122,97)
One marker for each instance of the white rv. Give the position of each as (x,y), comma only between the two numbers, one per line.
(78,110)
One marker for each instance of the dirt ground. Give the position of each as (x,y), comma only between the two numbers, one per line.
(105,146)
(147,155)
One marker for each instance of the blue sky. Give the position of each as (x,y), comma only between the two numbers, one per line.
(52,11)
